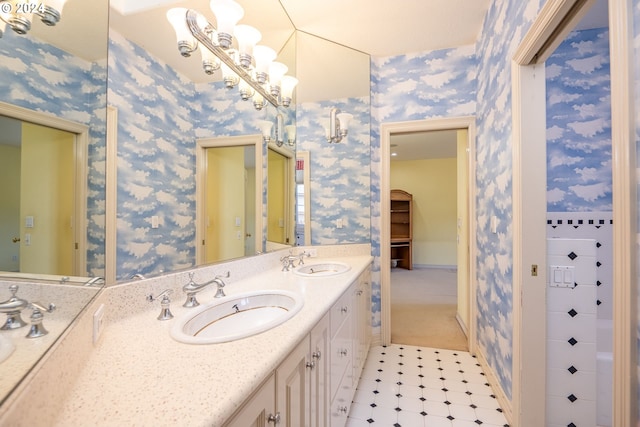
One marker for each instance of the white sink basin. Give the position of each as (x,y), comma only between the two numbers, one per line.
(322,269)
(236,316)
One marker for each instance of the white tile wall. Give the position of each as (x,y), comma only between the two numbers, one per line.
(571,335)
(590,225)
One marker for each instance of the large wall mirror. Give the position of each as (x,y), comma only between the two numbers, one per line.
(53,87)
(163,104)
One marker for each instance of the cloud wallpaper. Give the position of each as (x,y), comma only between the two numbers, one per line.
(579,124)
(41,77)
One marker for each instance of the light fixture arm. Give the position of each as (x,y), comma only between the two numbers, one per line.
(218,51)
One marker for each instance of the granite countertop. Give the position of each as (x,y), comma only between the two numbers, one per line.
(139,375)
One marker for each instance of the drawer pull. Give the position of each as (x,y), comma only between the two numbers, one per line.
(275,419)
(343,352)
(343,409)
(359,292)
(316,355)
(344,310)
(311,364)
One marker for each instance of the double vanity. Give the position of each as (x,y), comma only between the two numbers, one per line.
(279,344)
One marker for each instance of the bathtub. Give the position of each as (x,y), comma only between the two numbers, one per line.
(604,373)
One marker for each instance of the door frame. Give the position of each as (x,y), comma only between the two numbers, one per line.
(81,157)
(386,130)
(554,21)
(201,176)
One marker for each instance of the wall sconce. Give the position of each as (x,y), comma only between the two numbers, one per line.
(19,14)
(338,125)
(251,63)
(291,134)
(265,127)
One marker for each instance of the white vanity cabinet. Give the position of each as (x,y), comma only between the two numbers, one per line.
(350,341)
(315,384)
(296,394)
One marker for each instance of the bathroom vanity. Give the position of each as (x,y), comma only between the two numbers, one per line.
(137,374)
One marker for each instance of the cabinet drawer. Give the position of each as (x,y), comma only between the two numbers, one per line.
(341,355)
(341,403)
(341,311)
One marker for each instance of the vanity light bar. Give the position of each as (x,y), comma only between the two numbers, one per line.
(203,39)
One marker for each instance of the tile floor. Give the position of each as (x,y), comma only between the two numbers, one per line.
(408,386)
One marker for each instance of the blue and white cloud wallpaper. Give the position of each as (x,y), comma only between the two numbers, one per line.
(41,77)
(161,114)
(505,24)
(156,158)
(340,172)
(579,124)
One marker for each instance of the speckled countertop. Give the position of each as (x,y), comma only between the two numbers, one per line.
(139,375)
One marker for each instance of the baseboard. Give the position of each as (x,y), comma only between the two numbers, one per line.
(462,325)
(376,340)
(492,379)
(442,267)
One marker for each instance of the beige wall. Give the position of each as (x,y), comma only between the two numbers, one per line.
(224,203)
(9,207)
(47,194)
(433,185)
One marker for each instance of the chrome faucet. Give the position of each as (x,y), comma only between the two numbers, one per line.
(12,308)
(288,261)
(192,288)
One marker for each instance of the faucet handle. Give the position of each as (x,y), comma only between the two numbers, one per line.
(165,313)
(37,329)
(224,276)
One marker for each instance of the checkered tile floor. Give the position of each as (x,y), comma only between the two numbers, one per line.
(407,386)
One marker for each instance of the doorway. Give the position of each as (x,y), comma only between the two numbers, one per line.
(426,226)
(555,20)
(467,294)
(45,216)
(228,201)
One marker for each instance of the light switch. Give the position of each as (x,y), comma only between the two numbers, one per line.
(28,222)
(27,239)
(562,276)
(494,224)
(155,222)
(238,221)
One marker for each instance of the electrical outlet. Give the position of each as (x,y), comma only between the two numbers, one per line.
(98,323)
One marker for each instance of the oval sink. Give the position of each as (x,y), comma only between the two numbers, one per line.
(322,269)
(6,348)
(236,316)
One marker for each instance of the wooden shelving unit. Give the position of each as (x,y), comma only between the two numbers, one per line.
(401,229)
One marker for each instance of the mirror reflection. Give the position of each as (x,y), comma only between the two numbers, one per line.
(280,203)
(165,103)
(53,85)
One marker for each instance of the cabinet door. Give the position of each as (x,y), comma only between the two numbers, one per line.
(320,357)
(362,323)
(257,410)
(292,388)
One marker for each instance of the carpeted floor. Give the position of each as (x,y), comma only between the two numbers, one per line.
(423,309)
